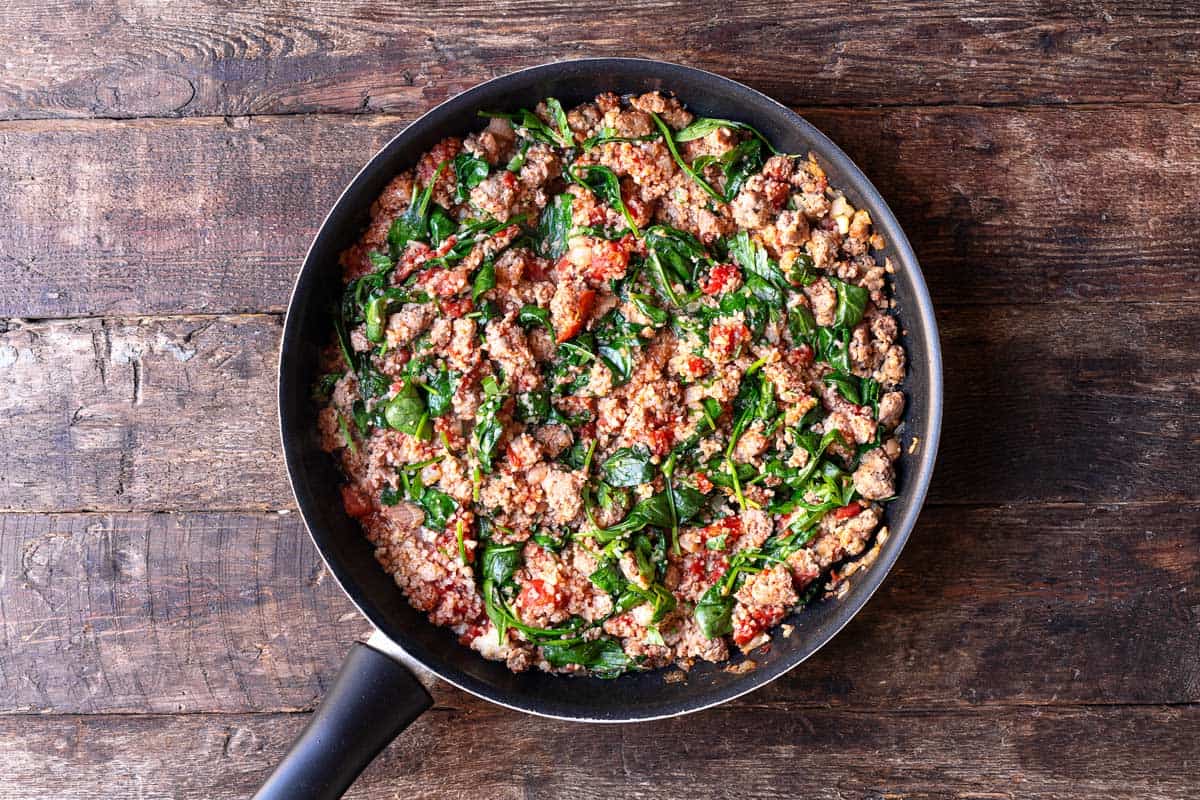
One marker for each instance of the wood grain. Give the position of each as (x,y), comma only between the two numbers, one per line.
(161,414)
(1114,753)
(214,216)
(208,612)
(1043,403)
(213,58)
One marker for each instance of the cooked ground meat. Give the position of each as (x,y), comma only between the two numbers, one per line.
(598,412)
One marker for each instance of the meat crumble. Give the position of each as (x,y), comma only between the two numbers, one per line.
(614,387)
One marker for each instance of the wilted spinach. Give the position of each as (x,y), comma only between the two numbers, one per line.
(469,170)
(605,184)
(629,466)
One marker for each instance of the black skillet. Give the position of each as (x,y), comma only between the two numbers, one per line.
(375,695)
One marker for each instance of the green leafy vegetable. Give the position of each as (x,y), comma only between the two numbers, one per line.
(469,170)
(604,657)
(703,126)
(531,125)
(753,258)
(485,280)
(683,165)
(554,227)
(535,315)
(413,224)
(488,426)
(851,302)
(616,341)
(605,184)
(406,412)
(629,466)
(441,225)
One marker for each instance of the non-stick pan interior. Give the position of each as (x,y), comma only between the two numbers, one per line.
(315,478)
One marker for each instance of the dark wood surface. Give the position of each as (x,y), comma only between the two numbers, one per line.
(165,624)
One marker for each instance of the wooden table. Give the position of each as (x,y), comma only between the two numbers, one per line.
(165,624)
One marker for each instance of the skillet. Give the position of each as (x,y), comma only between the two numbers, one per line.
(375,695)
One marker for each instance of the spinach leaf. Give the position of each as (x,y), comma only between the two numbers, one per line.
(390,496)
(645,304)
(406,412)
(441,225)
(517,162)
(674,256)
(560,119)
(629,466)
(440,390)
(438,506)
(616,340)
(488,426)
(848,386)
(531,125)
(566,373)
(739,164)
(669,138)
(500,562)
(485,279)
(549,542)
(834,349)
(323,389)
(554,227)
(468,235)
(469,171)
(714,612)
(608,134)
(605,184)
(851,302)
(413,224)
(533,406)
(802,324)
(535,315)
(802,270)
(604,657)
(754,259)
(656,511)
(703,126)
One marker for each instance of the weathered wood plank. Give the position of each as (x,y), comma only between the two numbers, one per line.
(161,414)
(728,753)
(209,58)
(204,216)
(210,612)
(1044,403)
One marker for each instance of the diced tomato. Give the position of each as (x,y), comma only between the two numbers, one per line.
(416,254)
(848,511)
(703,484)
(457,307)
(660,440)
(572,322)
(357,504)
(724,339)
(723,277)
(445,282)
(759,619)
(800,356)
(697,366)
(609,260)
(446,246)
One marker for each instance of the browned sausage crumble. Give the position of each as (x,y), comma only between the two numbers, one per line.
(614,386)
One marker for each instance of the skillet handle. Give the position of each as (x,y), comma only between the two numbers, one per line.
(373,698)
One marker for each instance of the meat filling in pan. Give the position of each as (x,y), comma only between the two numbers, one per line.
(614,387)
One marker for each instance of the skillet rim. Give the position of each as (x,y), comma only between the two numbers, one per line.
(921,315)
